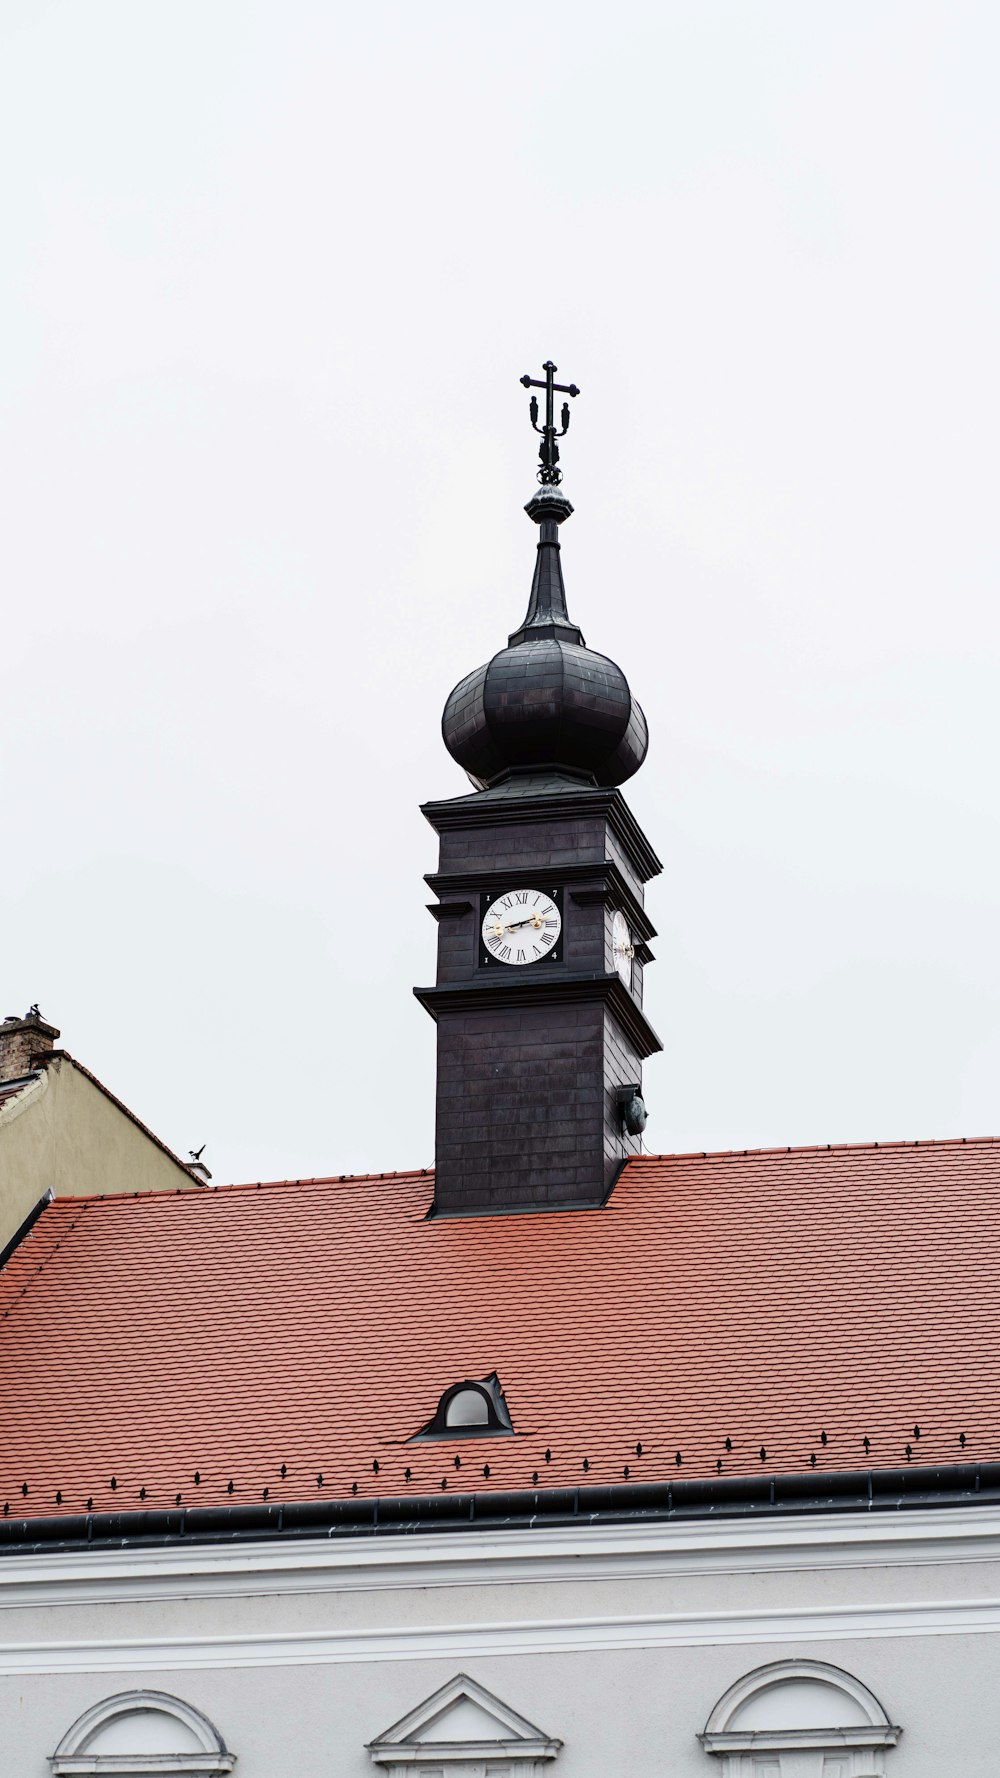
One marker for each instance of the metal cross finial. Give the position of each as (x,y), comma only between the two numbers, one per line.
(550,475)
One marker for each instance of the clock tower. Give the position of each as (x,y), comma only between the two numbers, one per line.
(543,938)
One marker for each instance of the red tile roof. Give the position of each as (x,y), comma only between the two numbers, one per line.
(764,1299)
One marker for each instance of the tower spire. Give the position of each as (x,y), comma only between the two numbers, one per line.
(547,613)
(546,703)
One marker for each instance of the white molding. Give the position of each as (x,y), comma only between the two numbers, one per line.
(460,1641)
(780,1740)
(484,1557)
(166,1765)
(71,1757)
(436,1753)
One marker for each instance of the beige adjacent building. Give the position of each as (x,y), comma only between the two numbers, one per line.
(62,1132)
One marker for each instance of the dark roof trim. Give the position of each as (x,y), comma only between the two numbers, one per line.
(877,1490)
(26,1227)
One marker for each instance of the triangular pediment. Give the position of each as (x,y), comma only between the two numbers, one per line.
(460,1717)
(463,1720)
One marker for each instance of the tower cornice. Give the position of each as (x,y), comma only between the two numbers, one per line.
(504,806)
(551,990)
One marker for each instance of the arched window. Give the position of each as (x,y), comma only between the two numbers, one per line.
(135,1733)
(467,1407)
(797,1717)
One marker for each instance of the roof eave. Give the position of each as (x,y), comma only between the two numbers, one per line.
(850,1491)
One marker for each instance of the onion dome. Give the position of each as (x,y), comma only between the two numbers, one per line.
(546,702)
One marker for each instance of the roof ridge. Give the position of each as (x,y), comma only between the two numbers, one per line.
(738,1154)
(634,1161)
(242,1185)
(326,1179)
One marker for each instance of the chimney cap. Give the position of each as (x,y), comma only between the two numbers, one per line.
(31,1021)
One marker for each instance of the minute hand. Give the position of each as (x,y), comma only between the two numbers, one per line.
(514,924)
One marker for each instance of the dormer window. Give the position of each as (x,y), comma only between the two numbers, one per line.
(469,1409)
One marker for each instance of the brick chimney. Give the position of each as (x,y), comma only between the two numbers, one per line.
(22,1041)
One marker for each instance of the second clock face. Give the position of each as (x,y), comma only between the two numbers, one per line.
(622,948)
(521,927)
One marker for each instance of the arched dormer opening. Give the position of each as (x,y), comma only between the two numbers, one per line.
(470,1409)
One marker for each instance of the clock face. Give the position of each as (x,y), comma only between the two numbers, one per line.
(622,948)
(522,927)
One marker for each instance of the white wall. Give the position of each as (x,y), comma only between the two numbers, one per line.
(618,1643)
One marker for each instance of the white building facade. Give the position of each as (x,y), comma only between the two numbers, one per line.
(809,1646)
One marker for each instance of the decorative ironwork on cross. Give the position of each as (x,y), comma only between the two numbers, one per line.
(550,475)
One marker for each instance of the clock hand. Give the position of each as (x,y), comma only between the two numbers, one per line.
(502,926)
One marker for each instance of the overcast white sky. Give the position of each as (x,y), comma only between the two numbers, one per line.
(270,272)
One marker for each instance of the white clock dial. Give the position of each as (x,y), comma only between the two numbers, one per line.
(522,926)
(622,948)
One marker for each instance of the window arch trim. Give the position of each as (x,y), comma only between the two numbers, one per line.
(211,1760)
(719,1738)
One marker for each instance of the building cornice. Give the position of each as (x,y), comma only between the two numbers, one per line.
(100,1573)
